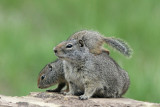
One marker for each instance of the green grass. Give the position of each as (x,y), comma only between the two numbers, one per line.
(30,29)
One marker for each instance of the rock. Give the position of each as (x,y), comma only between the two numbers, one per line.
(50,99)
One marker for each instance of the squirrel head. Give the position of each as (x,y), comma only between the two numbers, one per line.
(71,50)
(48,76)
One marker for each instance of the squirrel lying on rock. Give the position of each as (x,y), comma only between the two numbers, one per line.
(53,74)
(95,75)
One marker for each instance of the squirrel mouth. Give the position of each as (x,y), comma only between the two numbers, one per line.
(61,57)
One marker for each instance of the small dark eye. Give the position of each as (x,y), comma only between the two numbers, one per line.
(69,46)
(50,67)
(42,77)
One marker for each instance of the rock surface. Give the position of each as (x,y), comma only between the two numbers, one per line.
(46,99)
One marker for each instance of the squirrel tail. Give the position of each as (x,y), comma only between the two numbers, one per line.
(119,45)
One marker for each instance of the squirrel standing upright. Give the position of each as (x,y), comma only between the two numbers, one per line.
(94,41)
(52,74)
(95,75)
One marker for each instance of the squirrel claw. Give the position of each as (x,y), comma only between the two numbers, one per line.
(83,97)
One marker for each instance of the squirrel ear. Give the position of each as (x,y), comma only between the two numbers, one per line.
(81,43)
(50,67)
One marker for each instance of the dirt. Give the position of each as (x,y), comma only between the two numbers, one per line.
(50,99)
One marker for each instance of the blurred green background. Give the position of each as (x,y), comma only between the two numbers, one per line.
(29,29)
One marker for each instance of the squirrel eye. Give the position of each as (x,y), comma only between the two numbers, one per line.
(69,46)
(42,77)
(50,67)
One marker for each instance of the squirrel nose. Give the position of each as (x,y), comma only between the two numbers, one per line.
(55,50)
(39,86)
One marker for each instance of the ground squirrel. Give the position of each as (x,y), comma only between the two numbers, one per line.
(95,75)
(94,41)
(52,74)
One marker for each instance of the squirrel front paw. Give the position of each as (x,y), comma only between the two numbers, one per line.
(67,93)
(83,97)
